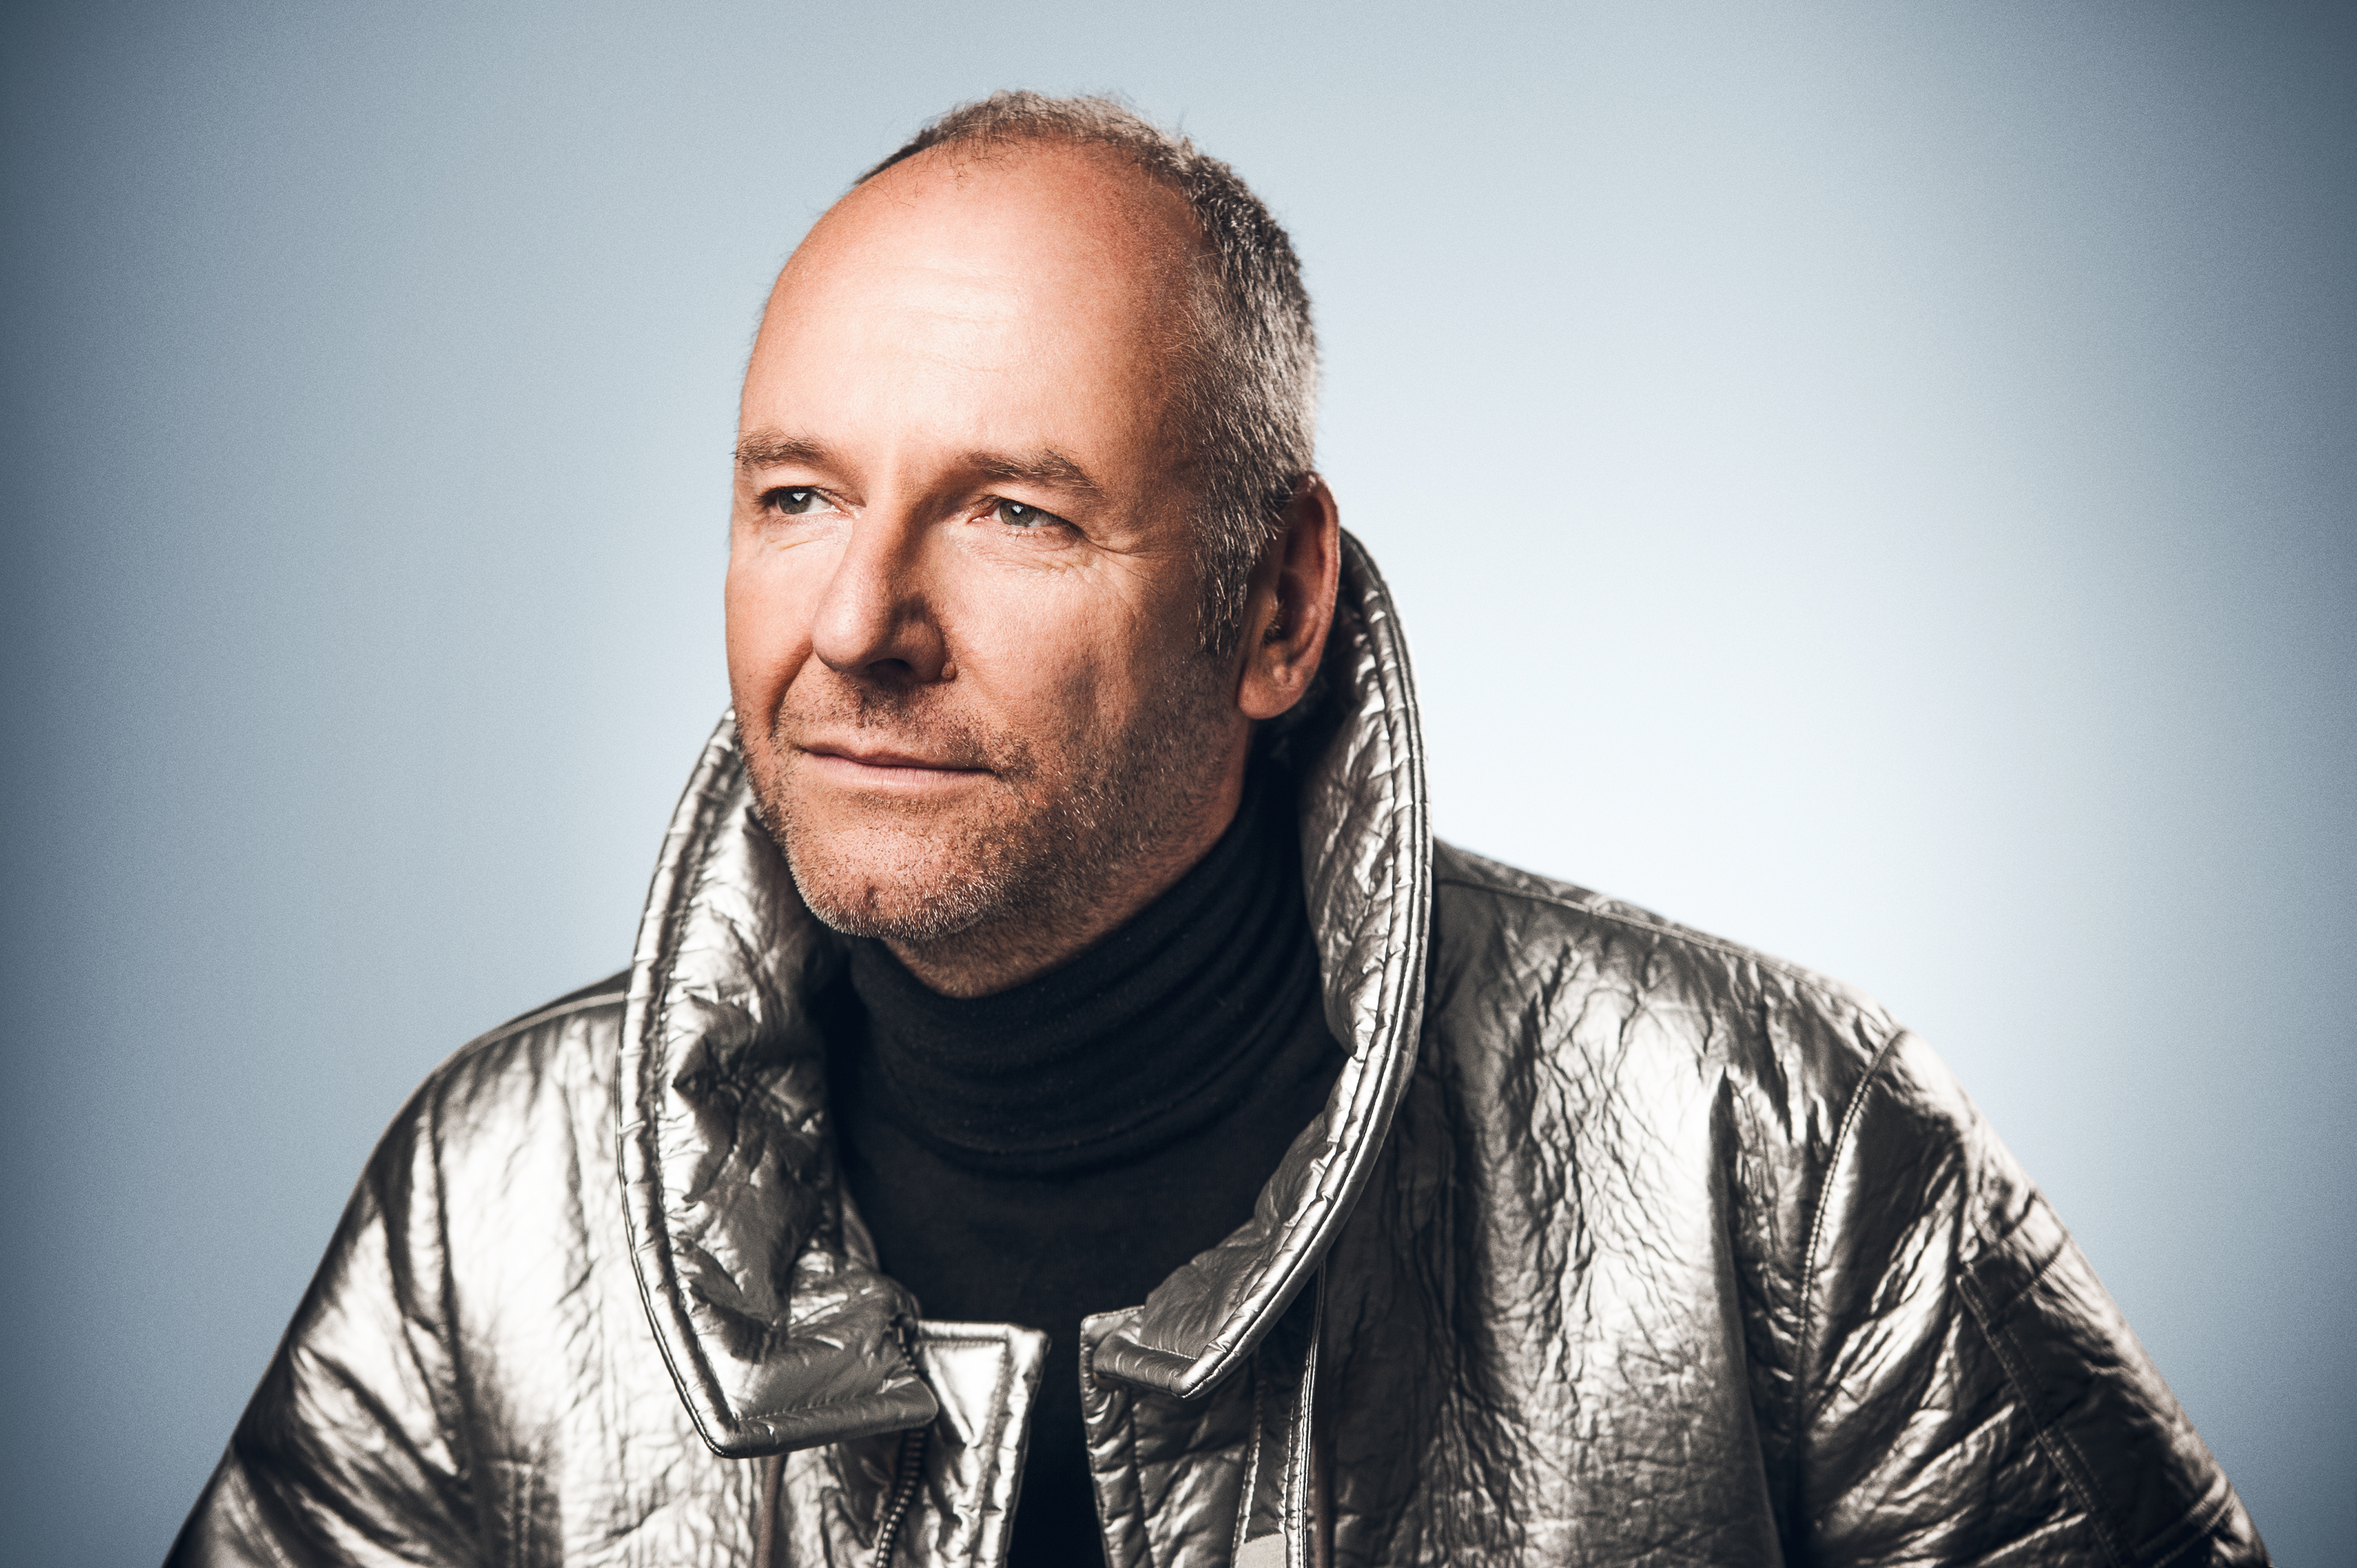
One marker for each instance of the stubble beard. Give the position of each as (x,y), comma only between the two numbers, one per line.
(1056,840)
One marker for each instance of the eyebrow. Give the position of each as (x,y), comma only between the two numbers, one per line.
(1047,468)
(767,448)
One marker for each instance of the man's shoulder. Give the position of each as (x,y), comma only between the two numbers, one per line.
(565,1037)
(1539,916)
(1572,973)
(541,1076)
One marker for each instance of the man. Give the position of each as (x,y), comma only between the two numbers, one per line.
(1064,1108)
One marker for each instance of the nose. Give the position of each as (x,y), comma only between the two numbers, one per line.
(875,622)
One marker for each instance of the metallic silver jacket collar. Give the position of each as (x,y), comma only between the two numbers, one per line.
(777,1329)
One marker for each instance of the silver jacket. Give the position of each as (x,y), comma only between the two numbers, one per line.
(1615,1243)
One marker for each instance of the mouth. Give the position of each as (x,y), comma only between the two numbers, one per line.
(885,766)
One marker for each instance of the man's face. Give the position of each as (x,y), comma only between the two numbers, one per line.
(961,597)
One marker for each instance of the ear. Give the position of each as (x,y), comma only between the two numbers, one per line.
(1291,606)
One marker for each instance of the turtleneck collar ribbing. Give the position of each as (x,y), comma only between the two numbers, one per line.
(1154,1031)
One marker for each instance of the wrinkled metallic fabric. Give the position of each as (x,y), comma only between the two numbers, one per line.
(1615,1243)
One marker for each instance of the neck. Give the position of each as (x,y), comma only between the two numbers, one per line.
(1008,951)
(1147,1034)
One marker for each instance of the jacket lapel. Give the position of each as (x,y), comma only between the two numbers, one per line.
(1366,847)
(777,1334)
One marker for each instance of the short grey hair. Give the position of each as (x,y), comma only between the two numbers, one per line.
(1246,409)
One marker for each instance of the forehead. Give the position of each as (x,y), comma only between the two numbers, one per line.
(997,271)
(1084,213)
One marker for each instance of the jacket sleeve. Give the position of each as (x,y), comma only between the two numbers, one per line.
(351,1451)
(1970,1392)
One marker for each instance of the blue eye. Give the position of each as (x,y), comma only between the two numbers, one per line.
(793,502)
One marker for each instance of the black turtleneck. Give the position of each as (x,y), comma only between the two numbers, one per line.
(1058,1149)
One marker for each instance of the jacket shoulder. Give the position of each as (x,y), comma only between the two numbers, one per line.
(510,1133)
(1935,1371)
(556,1051)
(505,1138)
(1545,948)
(588,1008)
(486,1187)
(459,1258)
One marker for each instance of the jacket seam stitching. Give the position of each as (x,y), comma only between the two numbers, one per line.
(2056,1444)
(745,1423)
(2207,1518)
(2036,1275)
(1129,1455)
(1850,1113)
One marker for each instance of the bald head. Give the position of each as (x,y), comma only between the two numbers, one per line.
(966,629)
(971,285)
(1063,214)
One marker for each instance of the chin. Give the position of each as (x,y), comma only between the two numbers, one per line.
(897,883)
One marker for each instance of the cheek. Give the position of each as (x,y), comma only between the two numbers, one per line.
(768,604)
(1064,670)
(1036,656)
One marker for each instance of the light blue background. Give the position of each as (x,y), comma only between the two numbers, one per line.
(1871,480)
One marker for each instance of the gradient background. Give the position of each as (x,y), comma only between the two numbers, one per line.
(1871,480)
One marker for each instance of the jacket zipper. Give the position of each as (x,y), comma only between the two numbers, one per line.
(906,1471)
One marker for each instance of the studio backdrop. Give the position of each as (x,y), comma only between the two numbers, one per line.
(1873,481)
